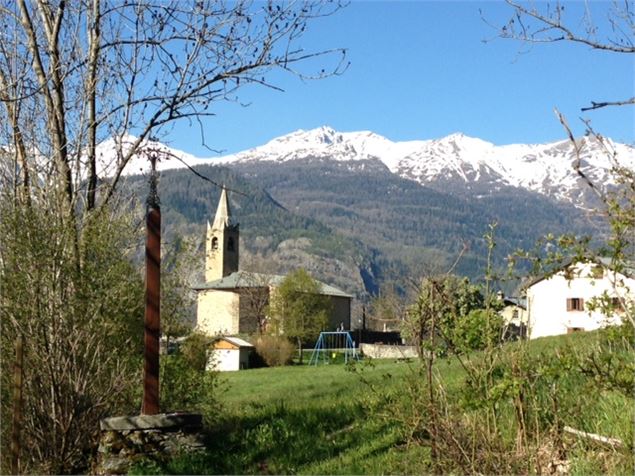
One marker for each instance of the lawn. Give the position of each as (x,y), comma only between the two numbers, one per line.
(334,419)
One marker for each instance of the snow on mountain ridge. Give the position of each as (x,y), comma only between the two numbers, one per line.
(543,168)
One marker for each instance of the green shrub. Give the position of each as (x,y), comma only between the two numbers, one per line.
(194,350)
(186,388)
(275,350)
(478,329)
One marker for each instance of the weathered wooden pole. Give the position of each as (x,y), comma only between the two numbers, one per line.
(17,406)
(153,298)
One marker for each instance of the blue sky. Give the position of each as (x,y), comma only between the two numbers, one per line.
(421,70)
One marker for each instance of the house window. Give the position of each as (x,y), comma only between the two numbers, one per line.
(230,244)
(575,304)
(214,243)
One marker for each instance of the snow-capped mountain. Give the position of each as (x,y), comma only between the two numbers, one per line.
(471,163)
(547,169)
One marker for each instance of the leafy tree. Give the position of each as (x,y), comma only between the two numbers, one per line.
(442,307)
(298,310)
(82,328)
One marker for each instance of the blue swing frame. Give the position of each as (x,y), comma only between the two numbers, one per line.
(339,337)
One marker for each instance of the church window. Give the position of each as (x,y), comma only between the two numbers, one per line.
(230,244)
(214,243)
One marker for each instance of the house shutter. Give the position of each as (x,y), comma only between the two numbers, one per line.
(569,304)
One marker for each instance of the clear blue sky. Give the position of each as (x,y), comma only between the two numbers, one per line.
(421,70)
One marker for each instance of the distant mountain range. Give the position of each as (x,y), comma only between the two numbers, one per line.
(362,210)
(469,163)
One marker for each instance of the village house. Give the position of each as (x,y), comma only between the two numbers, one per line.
(232,301)
(567,300)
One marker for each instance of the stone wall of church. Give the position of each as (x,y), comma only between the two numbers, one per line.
(218,312)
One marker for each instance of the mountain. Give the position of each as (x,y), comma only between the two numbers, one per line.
(359,210)
(466,164)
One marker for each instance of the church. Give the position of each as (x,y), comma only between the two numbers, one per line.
(232,301)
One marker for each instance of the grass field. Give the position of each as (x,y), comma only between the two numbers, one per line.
(326,420)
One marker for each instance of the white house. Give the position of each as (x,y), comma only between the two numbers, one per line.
(229,354)
(564,302)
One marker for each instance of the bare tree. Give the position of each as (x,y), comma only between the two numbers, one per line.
(254,300)
(72,75)
(543,22)
(75,73)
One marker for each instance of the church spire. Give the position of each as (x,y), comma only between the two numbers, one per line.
(221,244)
(223,213)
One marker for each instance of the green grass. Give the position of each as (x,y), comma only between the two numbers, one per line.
(327,420)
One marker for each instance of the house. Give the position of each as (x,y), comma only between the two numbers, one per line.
(514,314)
(566,301)
(230,301)
(229,354)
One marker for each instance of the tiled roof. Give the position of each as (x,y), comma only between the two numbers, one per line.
(246,279)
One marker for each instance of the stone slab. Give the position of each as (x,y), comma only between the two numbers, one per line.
(149,422)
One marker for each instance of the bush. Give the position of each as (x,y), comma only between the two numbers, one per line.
(274,350)
(194,350)
(478,329)
(186,388)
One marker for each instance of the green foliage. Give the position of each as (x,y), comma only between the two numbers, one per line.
(274,350)
(477,330)
(298,310)
(77,301)
(185,388)
(194,350)
(440,308)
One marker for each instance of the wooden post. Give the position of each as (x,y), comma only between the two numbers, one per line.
(152,299)
(17,405)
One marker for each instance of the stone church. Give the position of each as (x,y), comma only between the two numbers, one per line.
(231,301)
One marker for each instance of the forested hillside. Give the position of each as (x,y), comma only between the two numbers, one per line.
(357,225)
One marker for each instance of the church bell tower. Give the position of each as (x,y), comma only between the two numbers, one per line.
(221,243)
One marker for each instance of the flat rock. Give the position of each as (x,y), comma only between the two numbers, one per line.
(148,422)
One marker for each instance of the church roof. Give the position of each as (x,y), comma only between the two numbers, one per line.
(246,279)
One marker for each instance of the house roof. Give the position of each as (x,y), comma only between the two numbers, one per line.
(237,341)
(514,301)
(628,268)
(246,279)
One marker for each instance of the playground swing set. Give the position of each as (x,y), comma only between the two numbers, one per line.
(330,344)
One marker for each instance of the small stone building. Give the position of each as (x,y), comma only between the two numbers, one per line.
(233,302)
(229,354)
